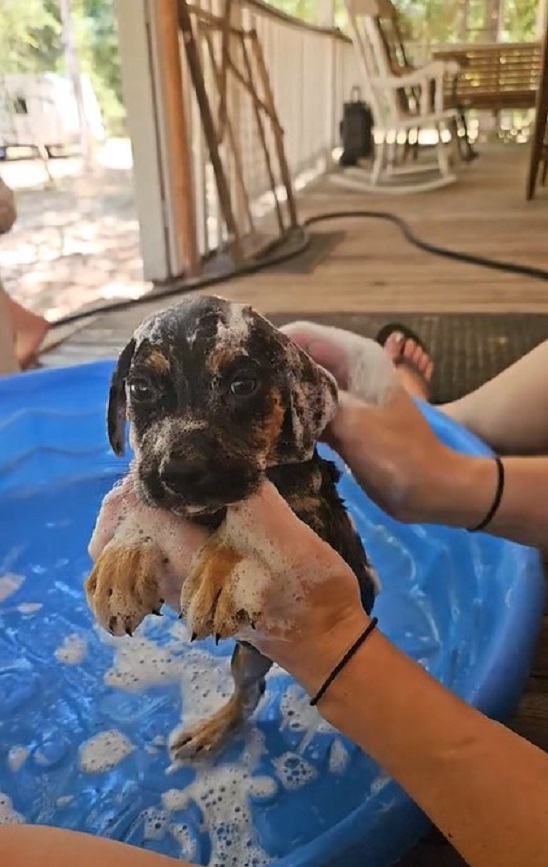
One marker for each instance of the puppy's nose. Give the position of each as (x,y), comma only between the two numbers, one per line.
(180,475)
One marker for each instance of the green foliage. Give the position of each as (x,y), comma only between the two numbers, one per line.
(441,21)
(31,41)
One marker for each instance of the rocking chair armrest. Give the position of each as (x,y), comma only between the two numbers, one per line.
(420,76)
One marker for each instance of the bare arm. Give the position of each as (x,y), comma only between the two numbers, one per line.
(422,480)
(510,412)
(483,786)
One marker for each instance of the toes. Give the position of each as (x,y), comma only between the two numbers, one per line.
(194,743)
(228,618)
(199,599)
(122,589)
(393,345)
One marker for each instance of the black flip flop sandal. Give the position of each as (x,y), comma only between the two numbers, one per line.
(408,334)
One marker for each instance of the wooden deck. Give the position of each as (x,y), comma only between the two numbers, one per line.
(373,269)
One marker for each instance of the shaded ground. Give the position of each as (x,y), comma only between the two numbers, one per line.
(75,241)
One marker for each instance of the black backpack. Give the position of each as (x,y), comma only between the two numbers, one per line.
(356,130)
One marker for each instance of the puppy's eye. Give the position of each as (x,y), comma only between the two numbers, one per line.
(142,390)
(244,386)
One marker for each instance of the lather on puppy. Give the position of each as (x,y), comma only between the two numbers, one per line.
(216,398)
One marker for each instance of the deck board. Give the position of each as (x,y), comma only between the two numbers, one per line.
(373,269)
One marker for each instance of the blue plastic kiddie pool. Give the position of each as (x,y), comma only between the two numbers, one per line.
(84,717)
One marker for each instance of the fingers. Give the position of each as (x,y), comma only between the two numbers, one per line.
(114,509)
(358,363)
(267,527)
(320,344)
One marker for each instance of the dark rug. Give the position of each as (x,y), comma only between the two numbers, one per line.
(467,349)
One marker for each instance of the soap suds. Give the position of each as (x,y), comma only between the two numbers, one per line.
(104,751)
(9,816)
(293,771)
(338,757)
(222,795)
(29,607)
(72,651)
(17,757)
(140,663)
(10,584)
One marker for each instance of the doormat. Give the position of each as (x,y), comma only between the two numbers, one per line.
(467,349)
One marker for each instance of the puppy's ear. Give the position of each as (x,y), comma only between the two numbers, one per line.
(116,411)
(312,399)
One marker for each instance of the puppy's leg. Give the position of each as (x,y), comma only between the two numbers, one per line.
(249,668)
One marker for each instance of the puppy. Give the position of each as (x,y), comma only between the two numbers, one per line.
(217,398)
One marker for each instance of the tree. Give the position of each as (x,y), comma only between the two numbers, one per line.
(31,40)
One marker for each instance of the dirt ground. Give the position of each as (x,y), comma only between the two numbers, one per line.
(76,239)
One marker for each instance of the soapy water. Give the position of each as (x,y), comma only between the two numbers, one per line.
(86,717)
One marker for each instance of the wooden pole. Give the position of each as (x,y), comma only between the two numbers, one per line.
(196,73)
(176,138)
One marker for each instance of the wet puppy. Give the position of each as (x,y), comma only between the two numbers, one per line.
(217,398)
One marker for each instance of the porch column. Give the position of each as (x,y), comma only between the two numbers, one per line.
(152,78)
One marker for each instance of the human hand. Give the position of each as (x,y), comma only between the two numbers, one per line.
(379,431)
(298,599)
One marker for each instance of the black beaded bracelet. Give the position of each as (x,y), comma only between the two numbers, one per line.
(496,501)
(348,655)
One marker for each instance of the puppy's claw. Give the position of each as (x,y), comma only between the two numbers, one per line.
(122,588)
(157,612)
(217,638)
(194,636)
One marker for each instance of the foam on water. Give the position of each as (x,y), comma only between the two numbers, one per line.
(30,607)
(104,751)
(338,757)
(8,816)
(10,584)
(140,663)
(17,757)
(223,795)
(72,650)
(293,771)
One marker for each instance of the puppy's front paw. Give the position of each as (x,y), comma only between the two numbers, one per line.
(123,588)
(222,593)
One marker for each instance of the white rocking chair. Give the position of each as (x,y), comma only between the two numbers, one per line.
(396,115)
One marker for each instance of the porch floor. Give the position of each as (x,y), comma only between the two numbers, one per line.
(370,268)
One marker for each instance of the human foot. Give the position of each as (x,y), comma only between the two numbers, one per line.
(410,357)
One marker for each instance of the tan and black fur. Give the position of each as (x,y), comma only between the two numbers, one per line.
(217,398)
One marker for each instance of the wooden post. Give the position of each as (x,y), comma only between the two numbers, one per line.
(542,19)
(176,135)
(153,96)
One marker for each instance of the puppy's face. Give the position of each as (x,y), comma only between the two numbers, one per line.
(214,395)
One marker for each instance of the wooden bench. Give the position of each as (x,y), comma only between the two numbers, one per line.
(494,77)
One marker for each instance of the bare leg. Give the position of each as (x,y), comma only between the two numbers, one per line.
(415,381)
(23,845)
(249,668)
(29,329)
(510,412)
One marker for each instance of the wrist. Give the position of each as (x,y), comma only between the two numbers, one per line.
(462,492)
(313,658)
